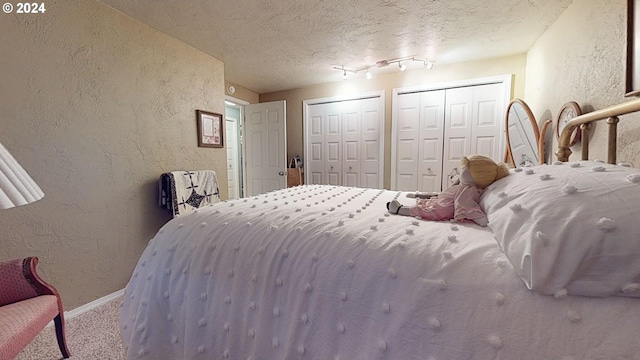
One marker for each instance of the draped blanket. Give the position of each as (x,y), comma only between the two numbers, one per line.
(186,190)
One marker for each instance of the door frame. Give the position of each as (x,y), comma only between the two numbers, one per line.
(366,95)
(239,104)
(505,80)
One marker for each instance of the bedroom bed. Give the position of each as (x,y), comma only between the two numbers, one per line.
(325,272)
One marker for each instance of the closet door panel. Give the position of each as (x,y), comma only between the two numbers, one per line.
(316,127)
(430,140)
(344,141)
(487,114)
(371,147)
(351,142)
(351,163)
(407,134)
(333,144)
(457,131)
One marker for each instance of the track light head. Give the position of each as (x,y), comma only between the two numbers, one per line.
(368,74)
(344,75)
(402,66)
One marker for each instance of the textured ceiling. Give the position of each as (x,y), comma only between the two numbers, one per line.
(271,45)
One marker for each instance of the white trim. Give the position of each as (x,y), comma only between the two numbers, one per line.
(90,306)
(371,94)
(238,102)
(504,79)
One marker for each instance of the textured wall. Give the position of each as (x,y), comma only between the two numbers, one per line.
(438,75)
(96,106)
(582,58)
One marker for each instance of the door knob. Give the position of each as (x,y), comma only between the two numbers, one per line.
(281,173)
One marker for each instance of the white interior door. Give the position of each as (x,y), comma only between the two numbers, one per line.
(265,144)
(231,131)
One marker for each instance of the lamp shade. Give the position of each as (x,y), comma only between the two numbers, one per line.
(16,186)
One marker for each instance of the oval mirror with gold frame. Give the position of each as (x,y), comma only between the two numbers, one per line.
(524,142)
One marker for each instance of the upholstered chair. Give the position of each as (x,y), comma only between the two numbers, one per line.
(27,305)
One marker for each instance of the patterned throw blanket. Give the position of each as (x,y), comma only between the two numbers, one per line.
(186,190)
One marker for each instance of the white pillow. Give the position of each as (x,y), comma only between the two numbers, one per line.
(570,227)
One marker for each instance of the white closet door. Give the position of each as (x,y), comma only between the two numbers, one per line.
(351,142)
(315,157)
(344,142)
(433,129)
(406,147)
(431,140)
(457,131)
(488,107)
(419,140)
(333,143)
(371,149)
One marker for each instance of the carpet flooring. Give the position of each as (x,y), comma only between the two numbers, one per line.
(93,335)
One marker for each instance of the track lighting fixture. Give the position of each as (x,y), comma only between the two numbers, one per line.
(402,65)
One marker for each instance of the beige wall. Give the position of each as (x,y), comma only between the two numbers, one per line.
(514,65)
(96,106)
(582,58)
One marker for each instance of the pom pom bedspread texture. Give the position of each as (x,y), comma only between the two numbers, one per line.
(325,272)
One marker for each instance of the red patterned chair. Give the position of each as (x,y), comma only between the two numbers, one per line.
(27,305)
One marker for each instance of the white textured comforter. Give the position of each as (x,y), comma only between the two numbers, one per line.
(323,272)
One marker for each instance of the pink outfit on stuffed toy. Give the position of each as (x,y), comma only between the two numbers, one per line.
(459,202)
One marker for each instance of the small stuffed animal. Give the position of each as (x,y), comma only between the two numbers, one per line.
(459,201)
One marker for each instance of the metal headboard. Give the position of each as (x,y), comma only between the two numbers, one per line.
(610,114)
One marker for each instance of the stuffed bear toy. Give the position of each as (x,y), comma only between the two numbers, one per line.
(459,201)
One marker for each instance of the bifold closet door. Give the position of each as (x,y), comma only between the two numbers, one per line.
(419,140)
(351,141)
(324,134)
(344,143)
(371,148)
(473,117)
(433,129)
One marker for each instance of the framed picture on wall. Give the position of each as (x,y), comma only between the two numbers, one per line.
(210,129)
(632,87)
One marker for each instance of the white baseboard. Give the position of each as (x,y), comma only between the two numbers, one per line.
(90,306)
